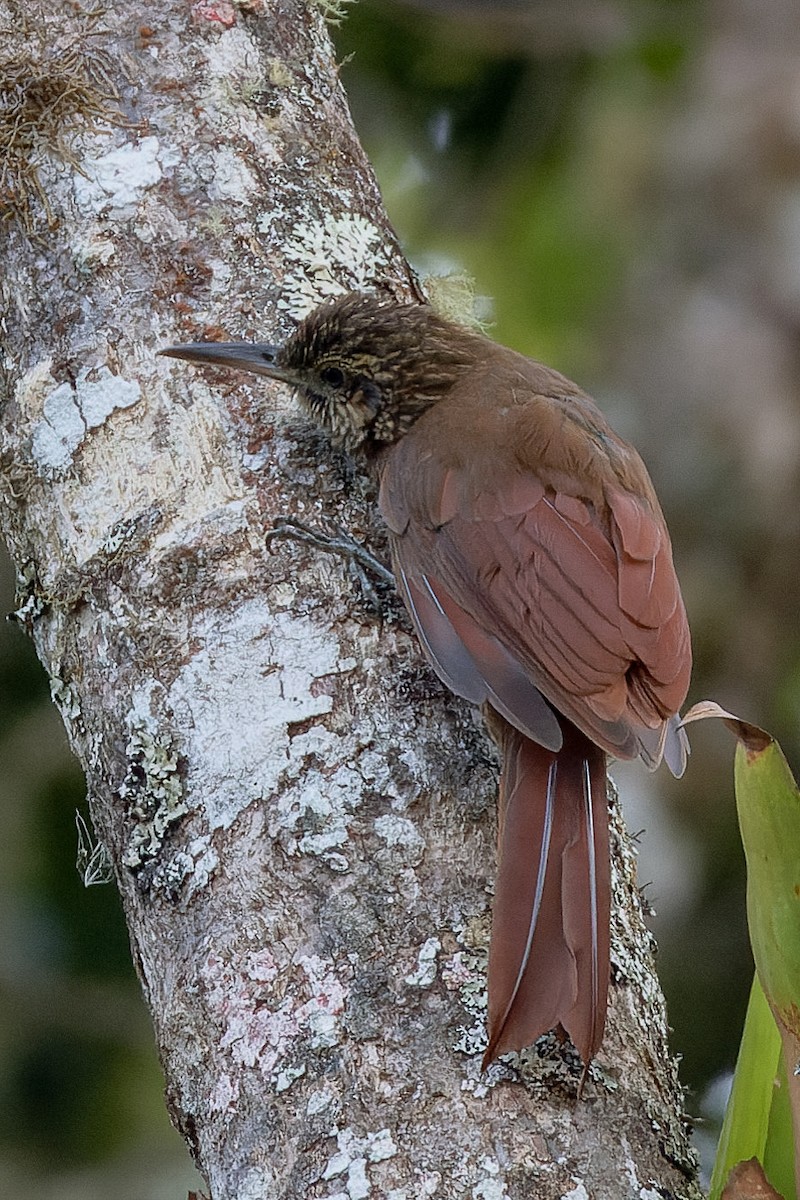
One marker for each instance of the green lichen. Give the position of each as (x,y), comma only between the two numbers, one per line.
(153,790)
(334,11)
(91,861)
(454,297)
(466,972)
(278,73)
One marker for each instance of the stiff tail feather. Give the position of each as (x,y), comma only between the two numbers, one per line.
(549,954)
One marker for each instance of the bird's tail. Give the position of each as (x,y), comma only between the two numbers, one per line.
(549,955)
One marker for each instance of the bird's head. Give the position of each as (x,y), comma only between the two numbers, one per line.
(363,368)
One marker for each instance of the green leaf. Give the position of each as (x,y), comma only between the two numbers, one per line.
(778,1160)
(747,1117)
(768,803)
(763,1116)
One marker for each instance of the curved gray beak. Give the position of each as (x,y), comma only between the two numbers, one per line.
(256,357)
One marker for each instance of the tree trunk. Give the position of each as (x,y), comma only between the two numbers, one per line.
(301,823)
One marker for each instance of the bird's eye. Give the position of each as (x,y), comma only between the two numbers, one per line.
(332,376)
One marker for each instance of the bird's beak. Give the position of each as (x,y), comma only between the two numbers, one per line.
(255,357)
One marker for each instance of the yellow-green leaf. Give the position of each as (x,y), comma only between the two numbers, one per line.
(768,804)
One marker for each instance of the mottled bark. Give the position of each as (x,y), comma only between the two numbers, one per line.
(301,824)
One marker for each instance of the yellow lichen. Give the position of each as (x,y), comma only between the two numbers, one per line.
(278,73)
(334,11)
(453,296)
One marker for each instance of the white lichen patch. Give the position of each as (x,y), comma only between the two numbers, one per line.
(155,458)
(255,1183)
(285,1078)
(312,814)
(425,973)
(261,1035)
(188,871)
(116,181)
(93,252)
(321,1101)
(227,57)
(152,790)
(252,676)
(232,180)
(353,1156)
(322,1011)
(491,1187)
(465,971)
(225,1094)
(234,73)
(321,843)
(69,413)
(630,1171)
(66,700)
(345,253)
(325,802)
(473,1040)
(578,1192)
(398,831)
(380,1146)
(205,861)
(426,1183)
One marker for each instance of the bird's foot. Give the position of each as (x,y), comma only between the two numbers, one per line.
(363,564)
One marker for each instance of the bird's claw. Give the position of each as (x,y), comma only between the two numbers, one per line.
(363,563)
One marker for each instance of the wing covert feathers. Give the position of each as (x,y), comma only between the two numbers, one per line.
(549,955)
(577,591)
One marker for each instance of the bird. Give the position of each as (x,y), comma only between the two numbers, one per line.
(532,555)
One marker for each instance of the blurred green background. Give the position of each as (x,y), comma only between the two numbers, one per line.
(622,180)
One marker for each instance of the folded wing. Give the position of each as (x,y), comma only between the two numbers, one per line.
(519,590)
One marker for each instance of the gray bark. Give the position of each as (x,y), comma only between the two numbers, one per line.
(301,824)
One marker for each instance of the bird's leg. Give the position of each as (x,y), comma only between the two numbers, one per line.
(340,544)
(363,563)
